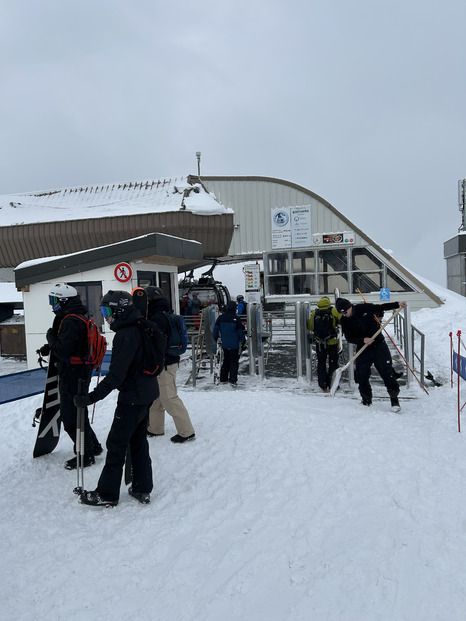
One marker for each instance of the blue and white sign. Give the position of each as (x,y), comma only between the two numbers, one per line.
(291,227)
(462,365)
(384,294)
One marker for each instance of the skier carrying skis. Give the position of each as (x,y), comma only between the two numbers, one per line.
(67,341)
(137,391)
(359,323)
(231,330)
(323,323)
(168,400)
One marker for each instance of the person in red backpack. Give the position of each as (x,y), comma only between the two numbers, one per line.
(67,341)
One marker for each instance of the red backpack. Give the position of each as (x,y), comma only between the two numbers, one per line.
(96,345)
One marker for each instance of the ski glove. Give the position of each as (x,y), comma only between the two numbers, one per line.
(51,337)
(82,401)
(44,350)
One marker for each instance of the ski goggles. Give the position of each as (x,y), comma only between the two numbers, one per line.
(106,311)
(54,301)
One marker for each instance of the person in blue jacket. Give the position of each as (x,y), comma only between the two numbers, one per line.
(231,331)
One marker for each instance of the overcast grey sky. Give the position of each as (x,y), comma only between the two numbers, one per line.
(360,101)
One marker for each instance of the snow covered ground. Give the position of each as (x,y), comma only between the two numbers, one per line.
(287,507)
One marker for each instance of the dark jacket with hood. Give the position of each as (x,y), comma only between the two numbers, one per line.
(363,323)
(125,371)
(68,335)
(230,328)
(155,313)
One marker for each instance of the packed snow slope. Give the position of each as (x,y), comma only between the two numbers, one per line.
(289,506)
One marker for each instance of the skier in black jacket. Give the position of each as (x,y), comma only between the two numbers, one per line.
(137,391)
(67,340)
(359,323)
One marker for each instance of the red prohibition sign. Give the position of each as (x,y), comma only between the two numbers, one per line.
(123,272)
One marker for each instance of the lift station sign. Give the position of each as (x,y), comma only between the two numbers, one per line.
(291,227)
(252,277)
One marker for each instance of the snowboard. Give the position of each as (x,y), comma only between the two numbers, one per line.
(48,416)
(140,300)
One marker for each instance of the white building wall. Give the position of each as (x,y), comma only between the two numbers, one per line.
(39,316)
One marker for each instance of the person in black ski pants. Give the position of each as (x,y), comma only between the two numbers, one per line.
(231,330)
(67,340)
(359,323)
(137,391)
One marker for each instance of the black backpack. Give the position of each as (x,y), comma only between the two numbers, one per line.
(324,328)
(178,338)
(154,343)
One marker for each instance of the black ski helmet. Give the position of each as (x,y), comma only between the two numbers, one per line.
(117,301)
(154,293)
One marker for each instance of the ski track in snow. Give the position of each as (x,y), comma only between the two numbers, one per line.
(285,507)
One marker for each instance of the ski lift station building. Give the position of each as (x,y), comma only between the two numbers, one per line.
(81,235)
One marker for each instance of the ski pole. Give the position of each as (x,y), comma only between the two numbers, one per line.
(395,346)
(80,418)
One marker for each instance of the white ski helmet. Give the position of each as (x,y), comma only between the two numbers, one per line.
(60,294)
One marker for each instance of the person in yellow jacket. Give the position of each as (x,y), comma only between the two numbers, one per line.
(323,323)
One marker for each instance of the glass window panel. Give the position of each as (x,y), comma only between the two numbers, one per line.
(364,260)
(305,283)
(395,283)
(335,260)
(278,263)
(367,282)
(165,285)
(303,261)
(278,285)
(91,294)
(329,282)
(147,278)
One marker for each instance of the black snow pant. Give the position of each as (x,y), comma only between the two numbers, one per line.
(229,370)
(378,355)
(68,377)
(324,374)
(129,428)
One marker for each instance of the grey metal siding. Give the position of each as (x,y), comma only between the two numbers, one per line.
(45,239)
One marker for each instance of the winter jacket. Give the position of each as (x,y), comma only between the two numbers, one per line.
(230,328)
(325,304)
(363,324)
(156,311)
(125,371)
(242,306)
(68,335)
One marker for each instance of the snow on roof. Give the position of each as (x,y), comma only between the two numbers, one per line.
(111,199)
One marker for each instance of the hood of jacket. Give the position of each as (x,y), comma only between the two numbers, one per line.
(158,306)
(127,317)
(324,303)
